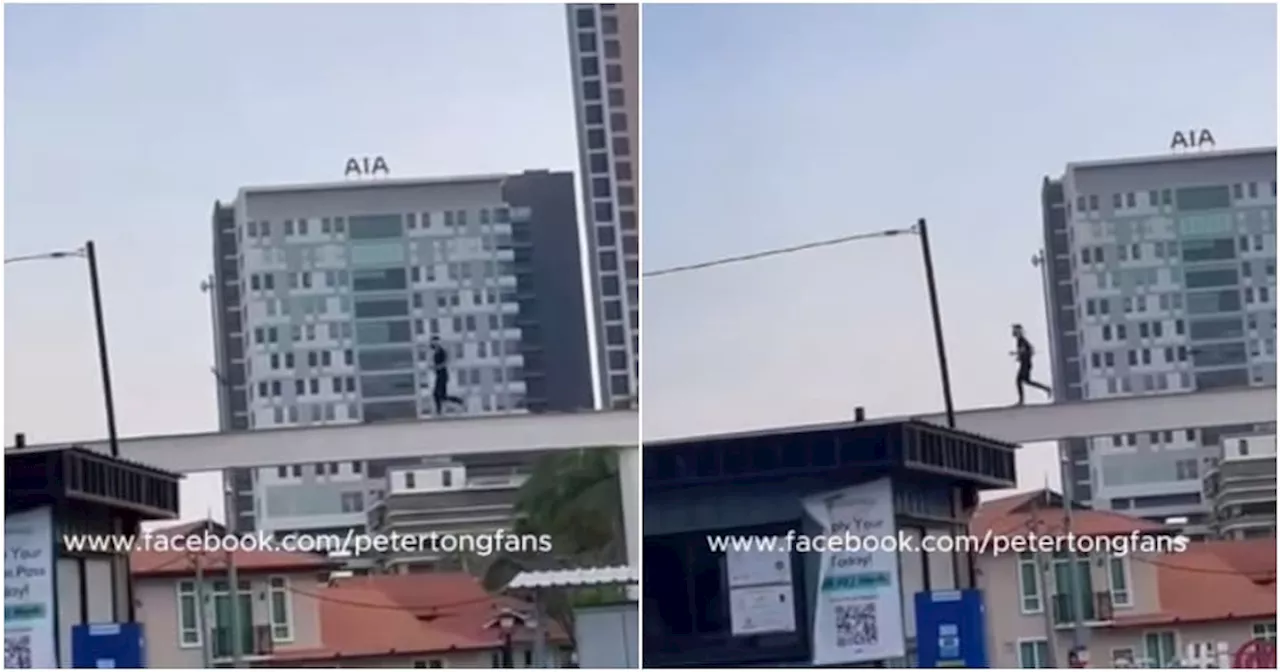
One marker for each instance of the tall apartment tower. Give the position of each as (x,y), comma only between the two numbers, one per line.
(604,48)
(1160,277)
(326,297)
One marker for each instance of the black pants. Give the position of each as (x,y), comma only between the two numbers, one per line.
(440,391)
(1024,379)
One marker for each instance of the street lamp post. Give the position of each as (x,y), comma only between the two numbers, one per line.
(922,230)
(88,252)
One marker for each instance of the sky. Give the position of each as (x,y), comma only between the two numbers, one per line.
(770,125)
(763,126)
(124,124)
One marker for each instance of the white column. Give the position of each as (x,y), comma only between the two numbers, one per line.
(629,483)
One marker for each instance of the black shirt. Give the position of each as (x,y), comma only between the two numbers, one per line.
(439,358)
(1024,350)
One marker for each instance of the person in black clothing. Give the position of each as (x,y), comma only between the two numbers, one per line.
(1023,354)
(440,366)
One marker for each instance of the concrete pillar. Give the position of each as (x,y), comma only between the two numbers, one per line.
(629,483)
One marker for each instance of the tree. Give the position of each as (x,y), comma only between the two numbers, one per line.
(574,498)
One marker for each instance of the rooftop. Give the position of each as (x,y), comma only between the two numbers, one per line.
(384,183)
(1172,157)
(409,614)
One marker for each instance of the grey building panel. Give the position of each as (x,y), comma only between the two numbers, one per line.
(553,313)
(1247,194)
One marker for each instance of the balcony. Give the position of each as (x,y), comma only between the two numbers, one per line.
(255,640)
(1097,609)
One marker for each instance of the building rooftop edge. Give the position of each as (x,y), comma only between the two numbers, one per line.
(388,182)
(1167,158)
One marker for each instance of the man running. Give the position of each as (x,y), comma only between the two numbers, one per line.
(440,366)
(1023,354)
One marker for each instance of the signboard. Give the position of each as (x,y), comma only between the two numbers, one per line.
(29,617)
(108,646)
(951,629)
(1192,138)
(858,609)
(761,596)
(366,167)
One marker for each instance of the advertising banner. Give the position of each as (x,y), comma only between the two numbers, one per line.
(28,590)
(858,607)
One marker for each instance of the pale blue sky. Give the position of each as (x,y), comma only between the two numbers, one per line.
(764,125)
(770,125)
(124,124)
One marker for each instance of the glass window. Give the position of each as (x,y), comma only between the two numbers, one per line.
(376,280)
(382,307)
(385,360)
(281,610)
(1220,301)
(390,410)
(1208,249)
(188,625)
(1203,198)
(378,254)
(1161,647)
(1033,654)
(1210,380)
(370,227)
(1120,595)
(1219,328)
(389,385)
(1029,585)
(1211,277)
(379,333)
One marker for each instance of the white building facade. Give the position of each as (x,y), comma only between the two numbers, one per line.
(1160,278)
(328,296)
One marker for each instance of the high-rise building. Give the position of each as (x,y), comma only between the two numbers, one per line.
(604,46)
(326,297)
(1160,277)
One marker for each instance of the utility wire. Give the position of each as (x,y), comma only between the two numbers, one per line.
(47,255)
(779,251)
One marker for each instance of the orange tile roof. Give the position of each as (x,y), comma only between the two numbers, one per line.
(408,614)
(1217,580)
(1018,514)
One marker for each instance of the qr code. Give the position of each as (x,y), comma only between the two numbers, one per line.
(17,652)
(857,625)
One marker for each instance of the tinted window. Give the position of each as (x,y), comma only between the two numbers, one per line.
(1209,380)
(1209,249)
(375,226)
(382,307)
(392,385)
(1203,198)
(1212,277)
(378,254)
(1218,354)
(379,333)
(1217,329)
(378,280)
(1222,301)
(390,410)
(383,360)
